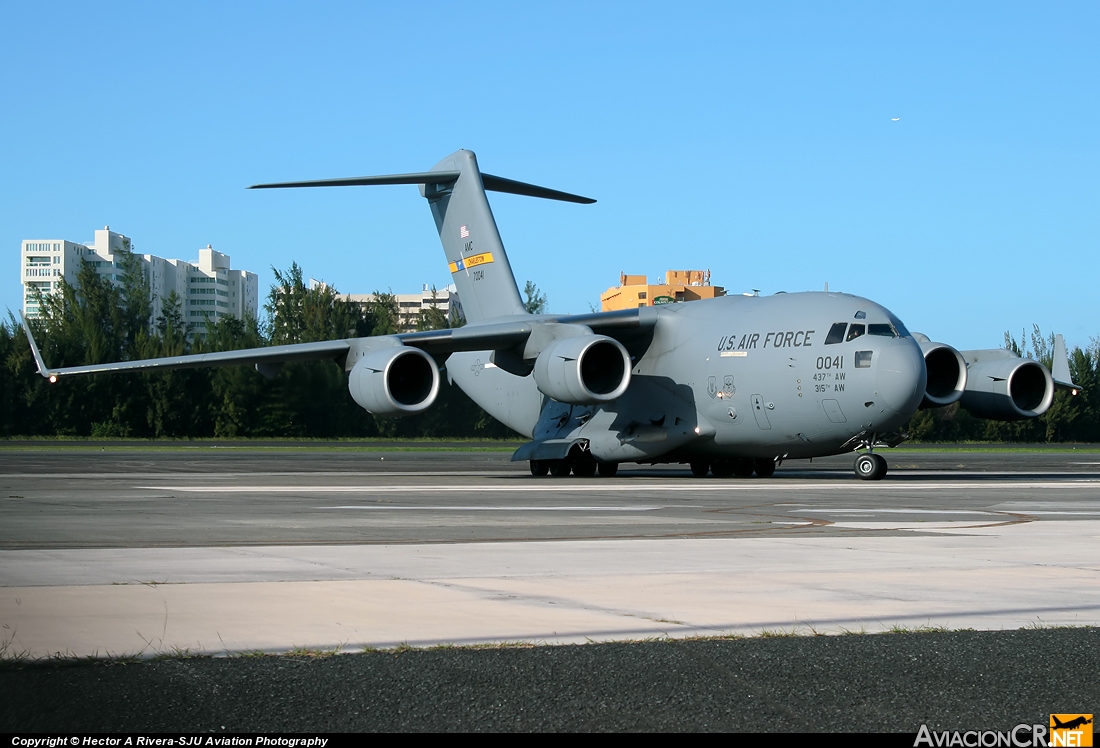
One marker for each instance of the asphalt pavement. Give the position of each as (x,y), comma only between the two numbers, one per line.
(890,683)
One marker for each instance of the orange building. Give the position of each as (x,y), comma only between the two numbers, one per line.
(679,285)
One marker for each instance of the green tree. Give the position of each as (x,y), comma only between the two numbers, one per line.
(382,313)
(535,302)
(178,400)
(432,317)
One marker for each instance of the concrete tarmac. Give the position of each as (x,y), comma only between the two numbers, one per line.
(222,551)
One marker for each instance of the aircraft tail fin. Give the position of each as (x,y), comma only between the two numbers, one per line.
(455,189)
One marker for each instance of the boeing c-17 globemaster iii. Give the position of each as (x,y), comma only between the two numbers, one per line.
(731,386)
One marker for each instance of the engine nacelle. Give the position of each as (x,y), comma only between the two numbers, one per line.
(1009,389)
(583,369)
(397,381)
(947,375)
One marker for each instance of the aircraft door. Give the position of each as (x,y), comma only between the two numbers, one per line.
(761,412)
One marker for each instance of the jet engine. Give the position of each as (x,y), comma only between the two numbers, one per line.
(583,369)
(394,381)
(946,375)
(1008,389)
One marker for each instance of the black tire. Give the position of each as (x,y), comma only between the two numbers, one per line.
(870,467)
(539,467)
(584,466)
(743,467)
(700,469)
(883,467)
(560,468)
(765,468)
(608,469)
(721,468)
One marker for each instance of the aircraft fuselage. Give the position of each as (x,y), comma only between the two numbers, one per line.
(789,375)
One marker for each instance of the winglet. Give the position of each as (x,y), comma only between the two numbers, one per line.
(42,368)
(1059,368)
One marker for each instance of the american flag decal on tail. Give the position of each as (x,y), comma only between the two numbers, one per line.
(463,232)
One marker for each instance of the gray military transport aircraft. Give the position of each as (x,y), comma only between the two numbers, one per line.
(731,386)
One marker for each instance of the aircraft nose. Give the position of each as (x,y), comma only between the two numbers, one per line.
(902,376)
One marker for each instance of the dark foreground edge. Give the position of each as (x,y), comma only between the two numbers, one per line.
(883,683)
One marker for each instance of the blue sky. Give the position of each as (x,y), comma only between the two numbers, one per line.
(753,139)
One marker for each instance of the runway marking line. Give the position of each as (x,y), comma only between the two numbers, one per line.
(896,511)
(621,488)
(296,474)
(512,508)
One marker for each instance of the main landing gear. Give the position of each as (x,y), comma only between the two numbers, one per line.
(579,462)
(870,466)
(742,467)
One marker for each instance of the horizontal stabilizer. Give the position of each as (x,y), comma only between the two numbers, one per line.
(500,184)
(491,183)
(424,177)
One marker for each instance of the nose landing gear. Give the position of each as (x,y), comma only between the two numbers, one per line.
(870,466)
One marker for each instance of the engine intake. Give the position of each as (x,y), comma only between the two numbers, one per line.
(1008,390)
(394,381)
(947,375)
(583,369)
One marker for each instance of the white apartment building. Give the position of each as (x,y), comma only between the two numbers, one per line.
(208,287)
(409,305)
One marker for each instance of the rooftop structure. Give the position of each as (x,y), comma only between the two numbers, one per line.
(678,285)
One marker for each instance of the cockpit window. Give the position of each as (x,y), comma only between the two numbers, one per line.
(836,333)
(861,315)
(899,327)
(886,331)
(855,331)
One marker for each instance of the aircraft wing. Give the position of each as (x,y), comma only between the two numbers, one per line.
(271,355)
(439,343)
(514,331)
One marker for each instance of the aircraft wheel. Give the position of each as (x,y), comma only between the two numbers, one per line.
(560,468)
(539,467)
(743,467)
(700,469)
(584,466)
(765,468)
(608,469)
(871,467)
(722,468)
